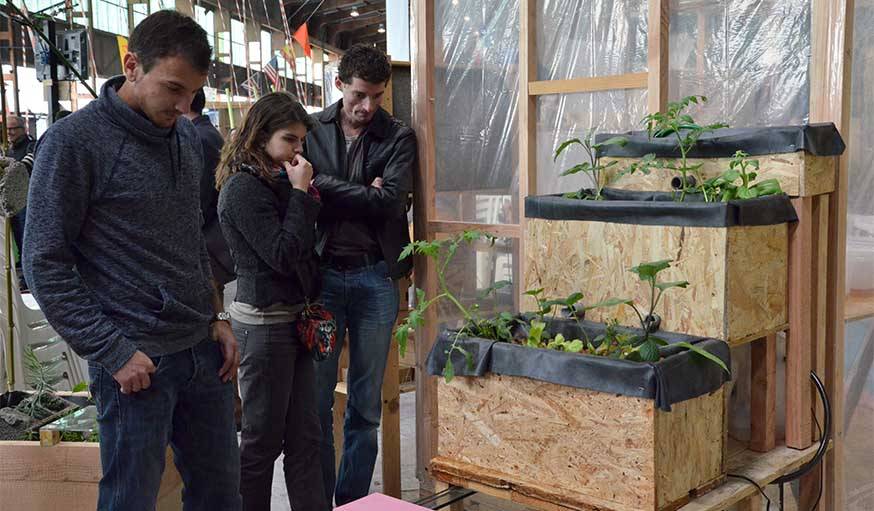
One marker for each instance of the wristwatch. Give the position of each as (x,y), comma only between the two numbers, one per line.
(220,316)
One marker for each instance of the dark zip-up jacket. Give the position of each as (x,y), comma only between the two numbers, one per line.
(390,152)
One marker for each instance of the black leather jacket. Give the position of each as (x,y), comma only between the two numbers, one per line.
(390,153)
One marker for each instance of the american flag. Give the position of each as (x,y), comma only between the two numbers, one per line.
(271,72)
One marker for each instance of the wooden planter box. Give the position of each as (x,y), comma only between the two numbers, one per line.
(801,158)
(557,447)
(738,274)
(65,477)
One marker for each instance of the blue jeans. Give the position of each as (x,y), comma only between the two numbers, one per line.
(188,407)
(364,301)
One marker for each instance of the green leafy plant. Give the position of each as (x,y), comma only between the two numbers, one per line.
(676,122)
(442,252)
(646,348)
(592,165)
(726,186)
(614,343)
(39,377)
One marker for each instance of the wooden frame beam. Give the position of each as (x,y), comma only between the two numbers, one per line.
(590,84)
(657,55)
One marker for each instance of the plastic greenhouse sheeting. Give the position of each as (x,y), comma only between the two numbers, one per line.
(585,39)
(477,83)
(858,417)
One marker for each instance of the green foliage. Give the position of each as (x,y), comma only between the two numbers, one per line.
(726,187)
(442,252)
(80,387)
(38,377)
(676,122)
(592,165)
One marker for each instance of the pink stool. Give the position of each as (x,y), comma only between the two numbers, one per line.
(379,502)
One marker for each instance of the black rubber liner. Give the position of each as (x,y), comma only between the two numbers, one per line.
(660,208)
(679,376)
(818,139)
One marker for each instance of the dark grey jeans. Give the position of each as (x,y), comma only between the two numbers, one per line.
(277,385)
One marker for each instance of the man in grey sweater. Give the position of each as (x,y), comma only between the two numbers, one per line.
(115,257)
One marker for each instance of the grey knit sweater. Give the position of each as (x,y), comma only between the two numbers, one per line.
(113,249)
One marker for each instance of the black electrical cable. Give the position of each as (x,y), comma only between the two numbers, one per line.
(826,436)
(761,490)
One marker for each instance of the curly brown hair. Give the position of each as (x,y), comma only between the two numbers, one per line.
(272,112)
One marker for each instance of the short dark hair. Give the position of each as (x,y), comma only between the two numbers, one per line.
(198,102)
(169,34)
(365,62)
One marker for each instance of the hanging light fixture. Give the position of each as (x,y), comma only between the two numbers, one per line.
(381,29)
(354,13)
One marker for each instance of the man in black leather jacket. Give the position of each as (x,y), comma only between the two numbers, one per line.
(364,161)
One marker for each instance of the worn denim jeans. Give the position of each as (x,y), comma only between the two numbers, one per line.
(364,301)
(188,407)
(277,381)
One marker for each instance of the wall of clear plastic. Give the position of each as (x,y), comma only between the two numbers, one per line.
(477,82)
(858,416)
(749,57)
(579,40)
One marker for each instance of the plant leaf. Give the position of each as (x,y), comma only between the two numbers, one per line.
(501,284)
(649,352)
(704,353)
(620,141)
(535,333)
(402,335)
(80,387)
(574,346)
(448,371)
(407,251)
(610,302)
(564,145)
(648,271)
(668,285)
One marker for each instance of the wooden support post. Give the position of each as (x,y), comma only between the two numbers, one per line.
(799,424)
(820,273)
(763,395)
(422,82)
(830,88)
(657,61)
(391,426)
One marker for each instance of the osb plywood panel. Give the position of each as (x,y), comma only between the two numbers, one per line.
(563,447)
(690,447)
(758,279)
(738,276)
(544,434)
(799,174)
(594,257)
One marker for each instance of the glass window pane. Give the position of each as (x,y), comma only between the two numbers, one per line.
(266,44)
(224,47)
(111,16)
(476,82)
(238,42)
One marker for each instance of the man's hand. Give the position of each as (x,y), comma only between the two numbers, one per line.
(134,375)
(222,333)
(377,183)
